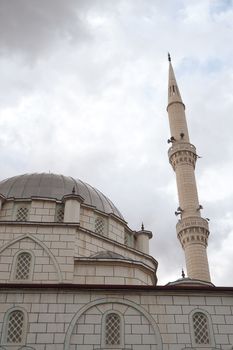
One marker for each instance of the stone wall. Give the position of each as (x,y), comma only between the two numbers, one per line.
(112,272)
(54,248)
(148,320)
(42,211)
(51,247)
(88,244)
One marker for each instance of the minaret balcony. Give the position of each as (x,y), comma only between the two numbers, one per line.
(182,153)
(181,146)
(192,229)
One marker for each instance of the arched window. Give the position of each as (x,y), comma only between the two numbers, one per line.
(14,327)
(23,266)
(112,329)
(99,225)
(200,328)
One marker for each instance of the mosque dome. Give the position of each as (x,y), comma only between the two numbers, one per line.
(53,186)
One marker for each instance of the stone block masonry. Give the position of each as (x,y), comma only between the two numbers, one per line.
(78,318)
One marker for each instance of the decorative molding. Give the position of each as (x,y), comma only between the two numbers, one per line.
(42,245)
(114,301)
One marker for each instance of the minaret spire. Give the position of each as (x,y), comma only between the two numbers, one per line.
(173,90)
(192,229)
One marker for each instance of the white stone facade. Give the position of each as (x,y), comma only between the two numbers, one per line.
(74,318)
(67,254)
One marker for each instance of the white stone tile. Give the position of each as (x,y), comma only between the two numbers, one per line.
(221,339)
(37,328)
(59,338)
(132,319)
(181,300)
(46,317)
(225,329)
(173,309)
(222,310)
(91,339)
(55,328)
(213,301)
(175,328)
(169,338)
(44,338)
(133,339)
(166,319)
(56,308)
(136,329)
(148,339)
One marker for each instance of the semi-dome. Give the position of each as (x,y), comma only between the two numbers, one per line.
(53,186)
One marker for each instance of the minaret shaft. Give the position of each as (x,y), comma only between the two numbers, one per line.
(194,253)
(192,229)
(176,110)
(187,190)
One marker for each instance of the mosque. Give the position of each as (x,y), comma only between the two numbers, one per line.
(75,276)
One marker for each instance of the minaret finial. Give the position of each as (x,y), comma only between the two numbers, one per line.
(169,57)
(142,227)
(182,273)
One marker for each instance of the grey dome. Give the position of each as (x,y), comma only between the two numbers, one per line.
(107,254)
(54,186)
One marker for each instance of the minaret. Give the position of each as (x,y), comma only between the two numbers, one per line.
(192,229)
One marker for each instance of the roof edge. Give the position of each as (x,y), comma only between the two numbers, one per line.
(62,286)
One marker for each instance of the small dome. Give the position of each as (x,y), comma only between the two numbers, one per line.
(107,254)
(52,186)
(186,281)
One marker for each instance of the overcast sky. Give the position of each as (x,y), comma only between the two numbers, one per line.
(83,92)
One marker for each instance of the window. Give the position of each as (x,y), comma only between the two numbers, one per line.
(23,266)
(112,329)
(99,225)
(202,334)
(59,213)
(14,327)
(22,214)
(200,328)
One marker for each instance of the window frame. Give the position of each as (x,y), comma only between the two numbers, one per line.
(209,325)
(6,327)
(98,217)
(103,330)
(14,266)
(19,205)
(59,207)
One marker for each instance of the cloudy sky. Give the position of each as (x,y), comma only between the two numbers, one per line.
(83,92)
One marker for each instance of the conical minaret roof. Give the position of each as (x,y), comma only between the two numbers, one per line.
(173,89)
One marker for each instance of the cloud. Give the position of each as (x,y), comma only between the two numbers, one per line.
(30,27)
(84,92)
